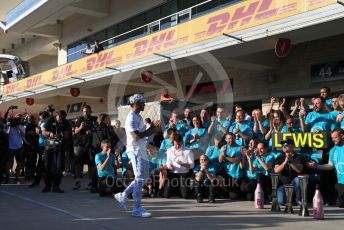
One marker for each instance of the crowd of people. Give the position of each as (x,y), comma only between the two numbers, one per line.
(194,156)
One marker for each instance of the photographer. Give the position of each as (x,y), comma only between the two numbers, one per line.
(56,130)
(102,130)
(16,133)
(30,145)
(82,143)
(39,164)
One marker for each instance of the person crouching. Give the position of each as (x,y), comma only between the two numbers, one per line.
(106,169)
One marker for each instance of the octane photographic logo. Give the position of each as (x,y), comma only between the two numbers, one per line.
(197,82)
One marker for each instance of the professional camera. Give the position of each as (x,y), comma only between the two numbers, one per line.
(14,121)
(12,107)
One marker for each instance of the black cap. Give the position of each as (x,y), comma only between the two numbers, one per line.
(287,141)
(178,138)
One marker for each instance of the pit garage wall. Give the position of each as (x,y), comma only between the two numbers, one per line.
(291,78)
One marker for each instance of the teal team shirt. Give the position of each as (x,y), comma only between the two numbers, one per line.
(213,155)
(337,159)
(267,159)
(109,170)
(260,136)
(180,127)
(211,170)
(198,144)
(232,169)
(206,123)
(225,123)
(165,144)
(157,161)
(244,128)
(320,121)
(125,160)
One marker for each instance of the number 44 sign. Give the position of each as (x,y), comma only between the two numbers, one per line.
(327,71)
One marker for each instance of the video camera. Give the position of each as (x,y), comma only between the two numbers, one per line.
(50,109)
(14,121)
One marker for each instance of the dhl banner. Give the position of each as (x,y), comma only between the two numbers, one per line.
(312,140)
(233,18)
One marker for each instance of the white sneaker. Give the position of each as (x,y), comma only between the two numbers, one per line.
(121,200)
(141,212)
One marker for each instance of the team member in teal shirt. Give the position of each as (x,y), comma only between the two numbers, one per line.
(219,124)
(231,157)
(259,165)
(106,166)
(168,141)
(197,138)
(336,160)
(204,180)
(204,115)
(259,125)
(241,129)
(291,127)
(213,153)
(340,117)
(177,124)
(320,120)
(157,170)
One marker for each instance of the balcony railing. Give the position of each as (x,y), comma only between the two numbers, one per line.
(161,24)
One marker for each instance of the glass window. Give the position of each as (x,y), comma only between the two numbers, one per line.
(153,14)
(169,8)
(184,16)
(204,8)
(138,21)
(124,27)
(182,4)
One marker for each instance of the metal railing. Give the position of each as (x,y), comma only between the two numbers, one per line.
(160,24)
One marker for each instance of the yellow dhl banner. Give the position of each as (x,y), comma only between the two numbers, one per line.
(233,18)
(312,140)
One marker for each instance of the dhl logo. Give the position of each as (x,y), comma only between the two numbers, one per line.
(164,40)
(34,81)
(243,15)
(312,140)
(62,73)
(100,60)
(11,88)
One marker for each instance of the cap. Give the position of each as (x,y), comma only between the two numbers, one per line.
(137,98)
(287,142)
